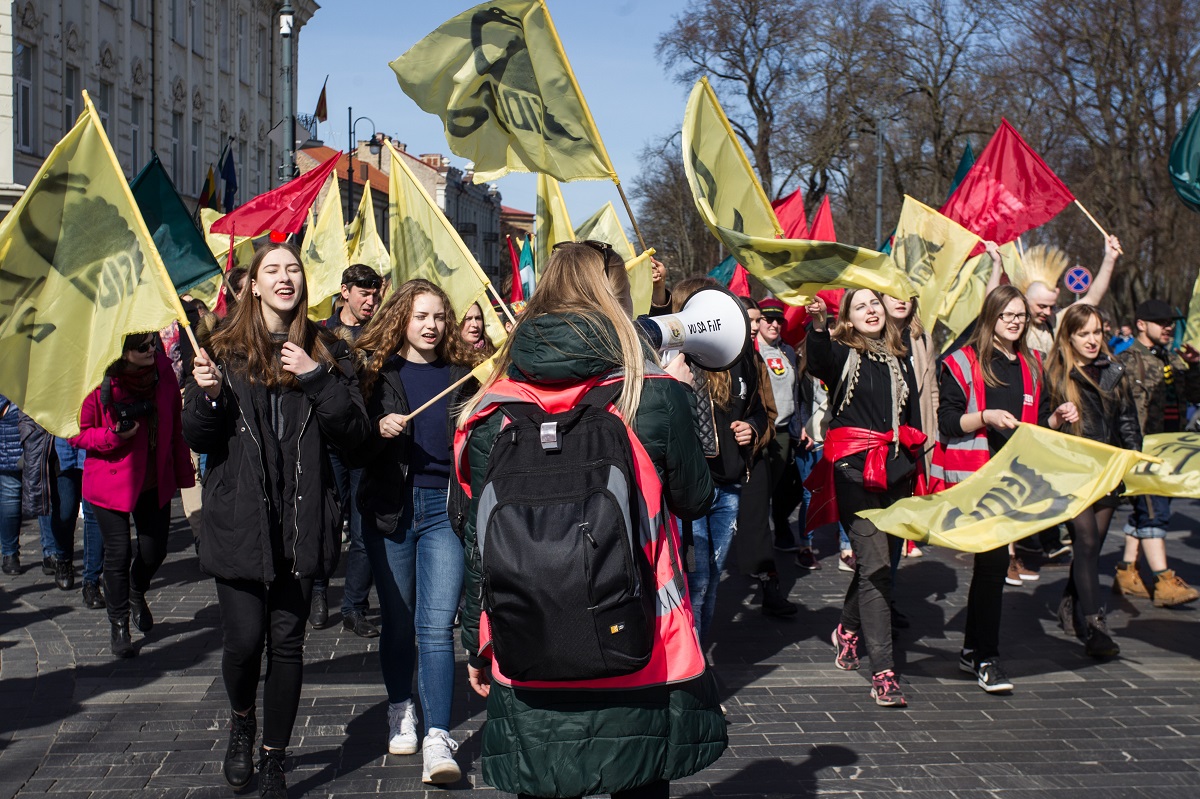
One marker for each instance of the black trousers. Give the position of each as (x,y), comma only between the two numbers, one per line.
(255,617)
(985,600)
(754,543)
(659,789)
(787,492)
(129,565)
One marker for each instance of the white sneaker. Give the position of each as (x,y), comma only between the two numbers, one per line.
(402,728)
(438,750)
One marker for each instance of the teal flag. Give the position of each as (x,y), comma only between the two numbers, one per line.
(525,267)
(723,272)
(1185,162)
(184,251)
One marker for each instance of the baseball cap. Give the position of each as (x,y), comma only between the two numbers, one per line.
(771,308)
(1154,311)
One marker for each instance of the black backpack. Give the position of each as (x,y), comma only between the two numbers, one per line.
(568,589)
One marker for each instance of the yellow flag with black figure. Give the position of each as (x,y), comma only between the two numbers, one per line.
(1192,330)
(78,272)
(425,245)
(931,249)
(552,223)
(1040,478)
(963,299)
(1178,475)
(605,226)
(499,79)
(733,205)
(363,243)
(324,252)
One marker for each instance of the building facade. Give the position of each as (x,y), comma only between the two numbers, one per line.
(185,78)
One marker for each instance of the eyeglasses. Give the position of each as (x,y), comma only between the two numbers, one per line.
(1008,318)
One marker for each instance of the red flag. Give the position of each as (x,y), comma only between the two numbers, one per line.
(517,293)
(822,224)
(283,209)
(795,317)
(1008,191)
(739,284)
(790,213)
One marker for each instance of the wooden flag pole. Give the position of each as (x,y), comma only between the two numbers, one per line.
(408,416)
(1092,218)
(637,230)
(503,304)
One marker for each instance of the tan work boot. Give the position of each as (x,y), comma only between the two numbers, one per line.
(1129,582)
(1170,589)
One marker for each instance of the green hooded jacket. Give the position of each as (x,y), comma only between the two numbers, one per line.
(573,743)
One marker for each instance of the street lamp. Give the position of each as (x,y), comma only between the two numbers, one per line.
(286,20)
(375,146)
(878,179)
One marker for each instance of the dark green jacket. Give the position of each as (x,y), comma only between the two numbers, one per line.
(571,743)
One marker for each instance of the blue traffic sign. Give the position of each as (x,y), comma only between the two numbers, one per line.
(1078,279)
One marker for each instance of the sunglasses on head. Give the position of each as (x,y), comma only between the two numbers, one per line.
(368,284)
(599,246)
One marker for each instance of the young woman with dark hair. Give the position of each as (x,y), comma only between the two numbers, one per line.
(869,460)
(276,395)
(137,460)
(1081,374)
(413,352)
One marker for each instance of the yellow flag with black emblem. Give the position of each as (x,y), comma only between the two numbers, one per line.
(363,242)
(963,300)
(733,205)
(552,223)
(324,252)
(931,249)
(1179,473)
(78,272)
(1040,478)
(499,79)
(425,245)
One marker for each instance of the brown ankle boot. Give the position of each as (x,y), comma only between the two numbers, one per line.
(1170,590)
(1129,582)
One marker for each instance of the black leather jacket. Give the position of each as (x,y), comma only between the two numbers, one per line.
(1108,415)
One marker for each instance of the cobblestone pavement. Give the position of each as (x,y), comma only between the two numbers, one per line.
(76,723)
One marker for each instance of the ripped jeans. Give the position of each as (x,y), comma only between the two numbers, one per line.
(712,536)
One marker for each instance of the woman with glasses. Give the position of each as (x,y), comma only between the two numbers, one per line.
(987,388)
(1081,374)
(136,461)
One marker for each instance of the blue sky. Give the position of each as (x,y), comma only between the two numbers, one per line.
(611,46)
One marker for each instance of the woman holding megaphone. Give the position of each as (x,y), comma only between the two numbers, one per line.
(869,461)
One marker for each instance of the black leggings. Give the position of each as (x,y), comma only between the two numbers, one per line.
(1088,530)
(985,600)
(659,789)
(257,616)
(128,567)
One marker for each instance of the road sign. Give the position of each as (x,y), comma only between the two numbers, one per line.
(1078,279)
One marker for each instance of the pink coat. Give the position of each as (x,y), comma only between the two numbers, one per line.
(115,469)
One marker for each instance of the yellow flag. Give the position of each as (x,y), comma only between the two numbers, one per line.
(931,249)
(499,79)
(735,208)
(1040,478)
(1192,331)
(641,282)
(324,252)
(208,291)
(1179,473)
(243,246)
(965,295)
(364,244)
(605,226)
(425,244)
(78,272)
(553,221)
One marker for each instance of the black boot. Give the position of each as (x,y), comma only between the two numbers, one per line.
(64,574)
(48,565)
(140,611)
(12,564)
(775,602)
(239,755)
(271,783)
(122,645)
(318,616)
(93,597)
(1097,641)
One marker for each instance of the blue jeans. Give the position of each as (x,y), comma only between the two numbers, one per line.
(1143,524)
(10,512)
(806,461)
(358,569)
(419,576)
(712,536)
(58,528)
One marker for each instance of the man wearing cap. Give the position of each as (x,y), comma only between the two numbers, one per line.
(1164,382)
(361,287)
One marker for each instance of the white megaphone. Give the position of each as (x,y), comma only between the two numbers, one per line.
(712,329)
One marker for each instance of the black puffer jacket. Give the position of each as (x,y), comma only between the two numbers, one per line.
(1107,412)
(381,496)
(241,505)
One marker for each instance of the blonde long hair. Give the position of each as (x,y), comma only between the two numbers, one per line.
(1063,360)
(580,281)
(843,329)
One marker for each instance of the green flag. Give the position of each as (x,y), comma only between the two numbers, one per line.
(1185,162)
(182,246)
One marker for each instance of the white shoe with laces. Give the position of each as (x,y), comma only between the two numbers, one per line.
(402,728)
(438,750)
